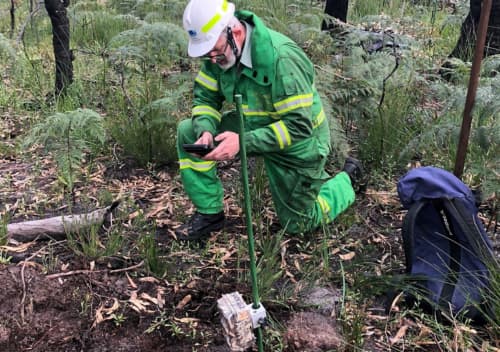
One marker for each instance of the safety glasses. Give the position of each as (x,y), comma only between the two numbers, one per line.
(219,54)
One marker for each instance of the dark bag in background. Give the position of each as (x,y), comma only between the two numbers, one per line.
(447,250)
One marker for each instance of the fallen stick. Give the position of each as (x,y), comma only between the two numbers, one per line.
(84,271)
(57,227)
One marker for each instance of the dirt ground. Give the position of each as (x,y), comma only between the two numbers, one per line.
(54,300)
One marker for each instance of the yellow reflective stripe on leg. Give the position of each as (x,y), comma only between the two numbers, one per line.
(201,166)
(206,81)
(206,110)
(213,21)
(323,204)
(294,102)
(282,134)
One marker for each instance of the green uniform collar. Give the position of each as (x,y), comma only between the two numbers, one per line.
(246,53)
(262,50)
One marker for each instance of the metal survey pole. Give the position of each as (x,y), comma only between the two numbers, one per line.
(248,215)
(471,92)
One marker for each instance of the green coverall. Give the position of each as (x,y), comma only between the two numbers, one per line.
(284,124)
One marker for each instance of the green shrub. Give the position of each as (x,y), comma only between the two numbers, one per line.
(437,143)
(148,250)
(153,102)
(150,44)
(168,11)
(148,135)
(7,52)
(91,244)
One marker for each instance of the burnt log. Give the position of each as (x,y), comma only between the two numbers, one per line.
(57,227)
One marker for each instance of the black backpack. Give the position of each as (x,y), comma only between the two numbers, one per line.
(448,253)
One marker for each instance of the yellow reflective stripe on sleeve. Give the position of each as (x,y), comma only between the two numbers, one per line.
(318,120)
(282,134)
(206,110)
(213,21)
(323,204)
(294,102)
(274,115)
(249,112)
(207,81)
(201,166)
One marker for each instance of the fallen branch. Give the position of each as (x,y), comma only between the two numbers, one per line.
(57,227)
(73,272)
(85,271)
(23,299)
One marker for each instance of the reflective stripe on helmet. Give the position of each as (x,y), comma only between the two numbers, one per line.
(213,21)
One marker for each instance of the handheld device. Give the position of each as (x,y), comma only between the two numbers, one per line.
(200,149)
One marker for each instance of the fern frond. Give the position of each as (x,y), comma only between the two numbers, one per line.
(456,70)
(351,98)
(340,146)
(69,136)
(437,146)
(490,66)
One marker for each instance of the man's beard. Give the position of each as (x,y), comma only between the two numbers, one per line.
(229,61)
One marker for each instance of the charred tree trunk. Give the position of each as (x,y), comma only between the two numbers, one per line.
(464,49)
(12,17)
(337,9)
(60,39)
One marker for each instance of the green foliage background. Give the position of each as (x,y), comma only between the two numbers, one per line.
(133,82)
(131,67)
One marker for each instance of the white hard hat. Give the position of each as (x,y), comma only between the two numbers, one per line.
(204,20)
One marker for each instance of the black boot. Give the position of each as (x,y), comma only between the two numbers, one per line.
(199,226)
(355,171)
